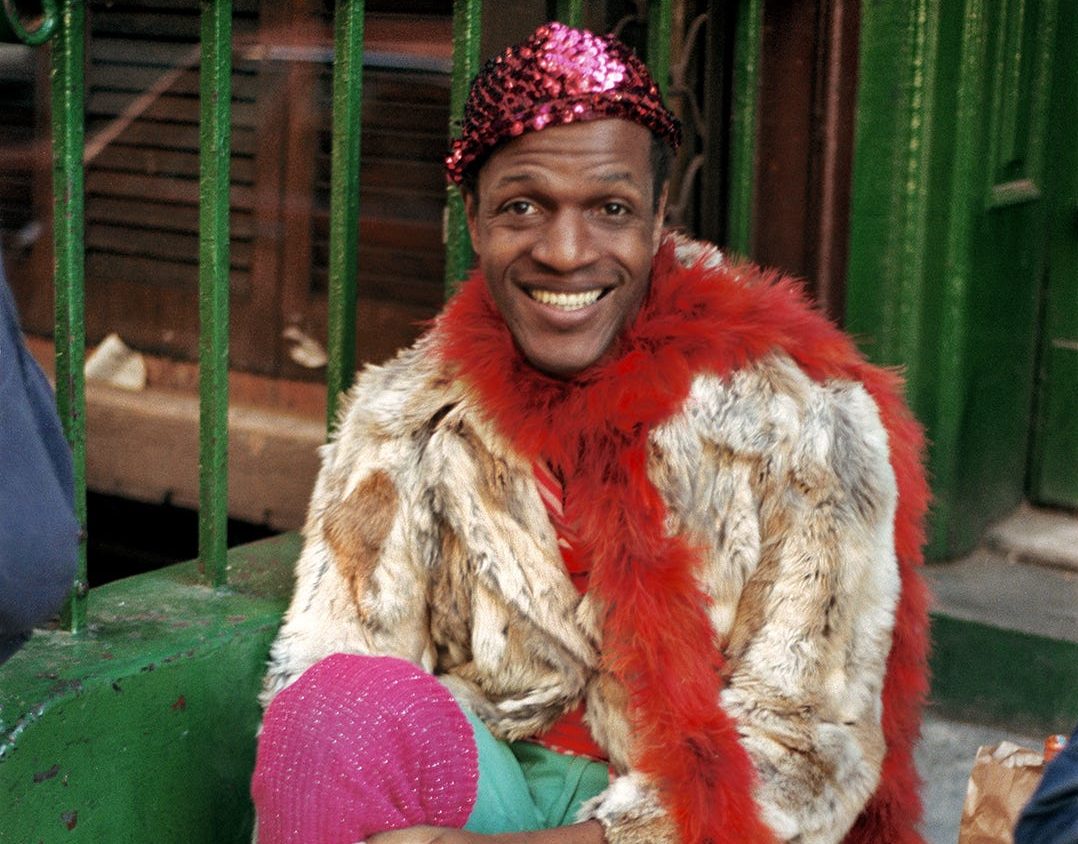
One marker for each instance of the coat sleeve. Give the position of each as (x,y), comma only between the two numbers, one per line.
(39,534)
(808,646)
(361,580)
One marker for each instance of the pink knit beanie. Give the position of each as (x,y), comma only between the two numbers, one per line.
(359,745)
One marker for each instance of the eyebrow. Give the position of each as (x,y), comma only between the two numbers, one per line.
(515,178)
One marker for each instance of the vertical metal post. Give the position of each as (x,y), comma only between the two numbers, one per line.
(215,82)
(571,12)
(746,96)
(68,229)
(467,19)
(660,16)
(344,200)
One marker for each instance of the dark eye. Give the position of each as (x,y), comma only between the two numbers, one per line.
(615,209)
(518,207)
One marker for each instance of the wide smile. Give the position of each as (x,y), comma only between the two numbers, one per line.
(563,301)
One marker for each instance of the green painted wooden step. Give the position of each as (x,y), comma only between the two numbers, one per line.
(142,728)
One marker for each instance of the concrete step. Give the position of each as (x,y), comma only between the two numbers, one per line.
(1039,536)
(1005,632)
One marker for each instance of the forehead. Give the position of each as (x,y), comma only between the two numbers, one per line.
(598,150)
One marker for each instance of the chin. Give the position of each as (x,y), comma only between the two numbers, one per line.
(562,366)
(564,355)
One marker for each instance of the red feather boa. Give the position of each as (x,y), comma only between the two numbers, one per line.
(596,426)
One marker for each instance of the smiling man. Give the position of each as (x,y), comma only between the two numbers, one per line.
(566,227)
(624,549)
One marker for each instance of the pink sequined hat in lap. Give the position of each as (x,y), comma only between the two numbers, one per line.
(558,75)
(359,745)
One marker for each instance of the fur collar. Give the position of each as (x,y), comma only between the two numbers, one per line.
(695,319)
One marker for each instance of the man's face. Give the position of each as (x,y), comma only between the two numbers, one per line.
(565,228)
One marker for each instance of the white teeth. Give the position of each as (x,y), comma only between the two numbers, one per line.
(567,301)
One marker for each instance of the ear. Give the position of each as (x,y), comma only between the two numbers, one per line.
(660,216)
(471,215)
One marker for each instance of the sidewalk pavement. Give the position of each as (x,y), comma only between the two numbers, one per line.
(996,585)
(945,758)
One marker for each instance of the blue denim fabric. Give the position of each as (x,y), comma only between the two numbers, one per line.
(1051,816)
(38,529)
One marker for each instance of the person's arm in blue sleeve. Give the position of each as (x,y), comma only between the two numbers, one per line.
(39,533)
(1051,816)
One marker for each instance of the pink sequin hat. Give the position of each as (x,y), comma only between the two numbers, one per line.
(558,75)
(359,745)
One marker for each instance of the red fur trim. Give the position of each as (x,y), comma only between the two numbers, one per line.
(596,428)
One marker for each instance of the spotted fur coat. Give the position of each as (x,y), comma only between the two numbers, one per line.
(778,466)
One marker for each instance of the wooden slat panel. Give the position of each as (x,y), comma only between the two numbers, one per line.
(410,117)
(378,144)
(427,89)
(239,7)
(177,136)
(172,163)
(144,25)
(403,205)
(401,234)
(159,188)
(181,24)
(106,50)
(173,108)
(139,78)
(392,269)
(125,272)
(144,213)
(154,54)
(397,175)
(175,246)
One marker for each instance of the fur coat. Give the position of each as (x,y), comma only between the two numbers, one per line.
(751,648)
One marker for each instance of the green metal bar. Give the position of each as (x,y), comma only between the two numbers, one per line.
(660,17)
(571,12)
(68,228)
(42,32)
(467,20)
(215,79)
(951,331)
(746,95)
(344,200)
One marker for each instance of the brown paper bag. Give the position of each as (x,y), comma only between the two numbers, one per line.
(1003,779)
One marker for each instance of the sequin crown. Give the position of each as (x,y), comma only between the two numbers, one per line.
(558,75)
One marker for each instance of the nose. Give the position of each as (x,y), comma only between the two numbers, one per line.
(566,243)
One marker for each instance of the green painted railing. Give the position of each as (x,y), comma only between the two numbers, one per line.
(62,24)
(467,18)
(213,277)
(344,199)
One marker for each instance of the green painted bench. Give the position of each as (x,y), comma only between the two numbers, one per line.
(142,728)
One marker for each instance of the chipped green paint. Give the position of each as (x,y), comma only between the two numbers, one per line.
(743,123)
(215,147)
(660,21)
(947,239)
(1055,460)
(467,21)
(143,728)
(571,12)
(68,226)
(39,34)
(344,201)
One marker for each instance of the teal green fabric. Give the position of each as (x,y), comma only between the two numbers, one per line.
(525,787)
